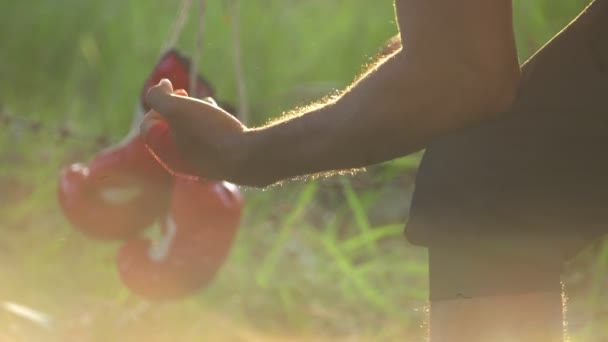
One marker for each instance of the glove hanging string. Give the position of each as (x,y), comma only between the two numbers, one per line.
(178,26)
(23,125)
(176,31)
(198,46)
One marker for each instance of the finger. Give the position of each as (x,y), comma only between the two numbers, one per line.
(159,96)
(175,107)
(181,92)
(164,86)
(152,118)
(210,101)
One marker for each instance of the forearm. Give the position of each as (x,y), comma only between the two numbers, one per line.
(394,110)
(459,67)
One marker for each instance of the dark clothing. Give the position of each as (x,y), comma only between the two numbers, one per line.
(528,190)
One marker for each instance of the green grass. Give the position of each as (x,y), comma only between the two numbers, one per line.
(313,260)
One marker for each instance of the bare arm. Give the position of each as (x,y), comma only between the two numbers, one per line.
(458,66)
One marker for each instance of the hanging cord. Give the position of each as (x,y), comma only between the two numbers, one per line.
(63,132)
(178,28)
(159,251)
(198,46)
(22,124)
(178,25)
(237,62)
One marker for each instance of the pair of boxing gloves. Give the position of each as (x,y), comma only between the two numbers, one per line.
(130,187)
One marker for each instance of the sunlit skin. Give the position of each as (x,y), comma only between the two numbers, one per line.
(458,67)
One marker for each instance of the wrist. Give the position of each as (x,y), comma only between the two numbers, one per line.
(244,164)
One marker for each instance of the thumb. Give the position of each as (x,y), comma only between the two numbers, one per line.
(153,118)
(159,97)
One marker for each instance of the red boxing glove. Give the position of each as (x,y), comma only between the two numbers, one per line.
(120,193)
(176,67)
(199,232)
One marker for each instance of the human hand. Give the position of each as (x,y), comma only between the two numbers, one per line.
(207,137)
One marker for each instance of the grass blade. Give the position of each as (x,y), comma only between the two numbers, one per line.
(270,263)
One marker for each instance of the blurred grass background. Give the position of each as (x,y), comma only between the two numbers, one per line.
(321,260)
